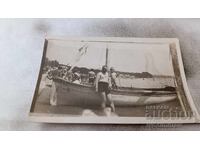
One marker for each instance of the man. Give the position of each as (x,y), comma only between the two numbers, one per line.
(113,76)
(102,86)
(55,73)
(91,76)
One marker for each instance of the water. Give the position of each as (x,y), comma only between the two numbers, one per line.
(157,82)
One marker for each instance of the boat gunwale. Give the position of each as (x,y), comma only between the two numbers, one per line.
(119,92)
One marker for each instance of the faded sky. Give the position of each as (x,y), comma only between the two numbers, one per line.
(133,57)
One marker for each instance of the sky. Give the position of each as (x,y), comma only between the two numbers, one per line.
(127,57)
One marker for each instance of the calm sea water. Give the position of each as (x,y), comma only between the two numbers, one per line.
(146,82)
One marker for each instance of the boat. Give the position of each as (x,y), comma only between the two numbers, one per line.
(84,95)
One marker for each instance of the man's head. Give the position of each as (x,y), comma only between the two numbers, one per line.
(112,69)
(59,67)
(104,69)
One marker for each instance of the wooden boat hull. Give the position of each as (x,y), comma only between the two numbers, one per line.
(67,93)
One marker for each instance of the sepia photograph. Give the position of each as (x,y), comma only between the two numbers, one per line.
(111,79)
(122,66)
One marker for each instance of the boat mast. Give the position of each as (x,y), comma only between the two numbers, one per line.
(107,55)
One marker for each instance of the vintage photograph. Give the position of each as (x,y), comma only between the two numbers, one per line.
(111,80)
